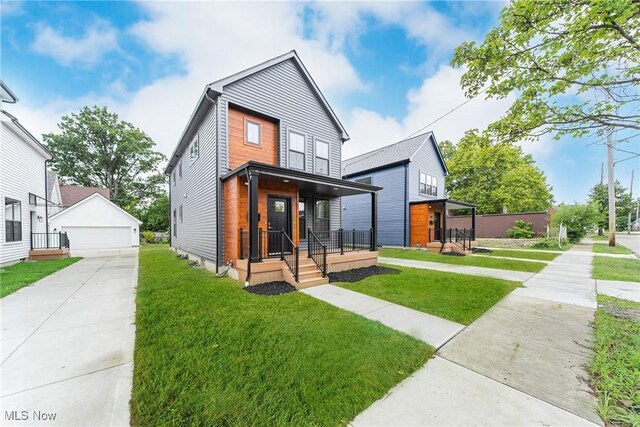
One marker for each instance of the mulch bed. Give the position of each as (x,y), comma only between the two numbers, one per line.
(270,288)
(482,251)
(452,253)
(355,275)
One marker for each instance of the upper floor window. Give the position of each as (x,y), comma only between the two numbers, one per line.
(365,180)
(174,177)
(12,220)
(180,213)
(253,132)
(175,223)
(296,150)
(180,169)
(194,150)
(322,157)
(428,184)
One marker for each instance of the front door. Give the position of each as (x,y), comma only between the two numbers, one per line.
(278,218)
(437,227)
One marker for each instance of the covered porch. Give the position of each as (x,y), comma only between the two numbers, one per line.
(282,219)
(428,226)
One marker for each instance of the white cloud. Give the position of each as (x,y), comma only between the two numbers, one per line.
(11,7)
(87,50)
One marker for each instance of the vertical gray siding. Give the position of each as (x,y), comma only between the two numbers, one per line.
(391,213)
(197,232)
(283,93)
(426,160)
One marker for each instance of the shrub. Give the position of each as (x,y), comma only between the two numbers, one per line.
(546,243)
(520,230)
(149,236)
(577,218)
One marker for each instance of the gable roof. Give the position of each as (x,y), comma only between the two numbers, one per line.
(216,89)
(400,152)
(93,196)
(72,194)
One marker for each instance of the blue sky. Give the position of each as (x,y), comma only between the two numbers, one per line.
(383,66)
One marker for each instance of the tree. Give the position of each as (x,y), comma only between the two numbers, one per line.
(156,216)
(447,149)
(95,148)
(494,175)
(599,196)
(544,51)
(577,218)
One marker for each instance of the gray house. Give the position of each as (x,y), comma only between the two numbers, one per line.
(411,204)
(255,180)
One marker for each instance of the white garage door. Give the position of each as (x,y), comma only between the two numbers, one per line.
(99,237)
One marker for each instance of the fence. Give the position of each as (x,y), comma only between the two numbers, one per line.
(496,225)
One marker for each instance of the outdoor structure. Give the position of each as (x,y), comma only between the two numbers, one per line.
(255,180)
(96,226)
(23,190)
(411,204)
(496,225)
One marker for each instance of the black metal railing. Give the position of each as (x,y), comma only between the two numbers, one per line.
(462,239)
(317,251)
(269,244)
(341,240)
(49,240)
(290,254)
(449,234)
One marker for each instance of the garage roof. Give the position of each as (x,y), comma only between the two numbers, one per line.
(93,196)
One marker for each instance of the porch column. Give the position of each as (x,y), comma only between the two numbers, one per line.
(374,221)
(254,243)
(443,233)
(473,223)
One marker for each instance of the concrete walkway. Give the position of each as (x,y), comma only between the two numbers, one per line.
(619,289)
(631,241)
(433,330)
(517,276)
(67,345)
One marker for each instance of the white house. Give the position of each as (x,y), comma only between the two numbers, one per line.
(97,226)
(22,184)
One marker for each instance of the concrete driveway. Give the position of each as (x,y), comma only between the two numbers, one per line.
(67,346)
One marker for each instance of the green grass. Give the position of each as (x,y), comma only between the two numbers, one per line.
(615,367)
(503,264)
(603,248)
(457,297)
(535,244)
(600,238)
(519,253)
(19,275)
(607,268)
(209,353)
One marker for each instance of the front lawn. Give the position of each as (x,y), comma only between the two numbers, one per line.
(209,353)
(19,275)
(520,253)
(604,248)
(615,367)
(457,297)
(534,244)
(503,264)
(607,268)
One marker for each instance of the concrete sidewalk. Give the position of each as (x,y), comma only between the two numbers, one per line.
(516,276)
(67,345)
(619,289)
(433,330)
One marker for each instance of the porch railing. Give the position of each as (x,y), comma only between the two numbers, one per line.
(463,240)
(49,240)
(341,240)
(290,254)
(317,251)
(460,236)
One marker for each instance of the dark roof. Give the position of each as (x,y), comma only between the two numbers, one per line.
(72,194)
(392,154)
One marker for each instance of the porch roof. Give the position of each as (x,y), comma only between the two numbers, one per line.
(451,204)
(307,182)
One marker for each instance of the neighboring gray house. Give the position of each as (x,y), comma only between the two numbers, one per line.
(256,174)
(410,205)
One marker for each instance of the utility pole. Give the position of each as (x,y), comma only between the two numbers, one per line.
(612,192)
(601,173)
(630,195)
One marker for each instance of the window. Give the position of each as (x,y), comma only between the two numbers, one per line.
(180,213)
(296,151)
(365,180)
(174,177)
(175,224)
(12,220)
(428,184)
(253,132)
(194,150)
(302,219)
(180,169)
(321,215)
(322,157)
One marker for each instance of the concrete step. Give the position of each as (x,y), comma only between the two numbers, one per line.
(307,283)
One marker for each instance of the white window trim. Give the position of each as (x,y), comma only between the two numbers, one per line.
(420,173)
(315,156)
(195,142)
(428,179)
(246,132)
(289,150)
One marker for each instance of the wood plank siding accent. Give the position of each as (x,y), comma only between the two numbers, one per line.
(240,151)
(419,219)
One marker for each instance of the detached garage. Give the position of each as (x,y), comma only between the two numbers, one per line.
(95,225)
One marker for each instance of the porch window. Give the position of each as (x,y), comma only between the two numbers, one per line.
(296,150)
(12,220)
(302,219)
(321,215)
(322,157)
(253,132)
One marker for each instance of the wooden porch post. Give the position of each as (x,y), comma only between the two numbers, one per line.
(254,242)
(444,222)
(473,223)
(374,221)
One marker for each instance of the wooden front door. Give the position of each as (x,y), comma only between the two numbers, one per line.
(278,219)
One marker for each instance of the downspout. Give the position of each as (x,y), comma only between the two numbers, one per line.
(206,94)
(406,191)
(46,203)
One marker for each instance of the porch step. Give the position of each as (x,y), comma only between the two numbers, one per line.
(309,274)
(307,283)
(308,267)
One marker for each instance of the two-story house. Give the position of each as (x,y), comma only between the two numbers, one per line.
(412,203)
(255,180)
